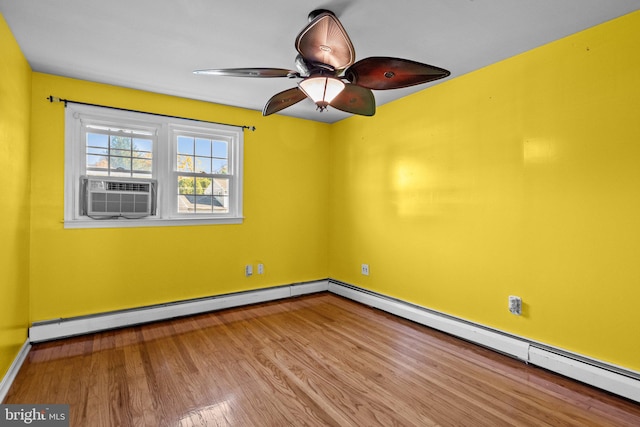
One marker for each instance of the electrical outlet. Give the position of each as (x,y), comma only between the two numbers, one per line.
(248,270)
(260,268)
(515,305)
(365,269)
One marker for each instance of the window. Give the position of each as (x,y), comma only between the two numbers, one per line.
(195,168)
(118,152)
(202,172)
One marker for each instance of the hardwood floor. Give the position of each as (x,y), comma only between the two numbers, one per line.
(314,360)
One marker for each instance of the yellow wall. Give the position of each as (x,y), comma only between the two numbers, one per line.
(76,272)
(15,86)
(521,178)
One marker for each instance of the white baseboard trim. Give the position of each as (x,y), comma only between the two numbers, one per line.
(620,381)
(11,374)
(63,328)
(616,380)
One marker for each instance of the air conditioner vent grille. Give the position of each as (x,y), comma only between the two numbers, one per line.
(102,198)
(128,186)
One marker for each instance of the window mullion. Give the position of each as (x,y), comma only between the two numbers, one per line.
(164,171)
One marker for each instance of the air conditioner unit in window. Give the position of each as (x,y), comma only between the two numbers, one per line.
(117,197)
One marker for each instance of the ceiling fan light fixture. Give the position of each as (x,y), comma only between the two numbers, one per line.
(322,90)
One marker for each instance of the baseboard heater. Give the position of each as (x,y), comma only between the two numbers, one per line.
(617,380)
(64,328)
(614,379)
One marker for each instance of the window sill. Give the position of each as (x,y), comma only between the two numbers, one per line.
(148,222)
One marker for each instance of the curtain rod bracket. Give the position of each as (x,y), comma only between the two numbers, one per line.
(52,98)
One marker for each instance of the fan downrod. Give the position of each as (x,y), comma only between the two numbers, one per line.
(317,12)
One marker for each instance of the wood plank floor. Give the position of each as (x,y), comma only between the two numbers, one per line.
(315,360)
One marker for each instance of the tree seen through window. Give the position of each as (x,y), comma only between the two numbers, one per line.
(117,155)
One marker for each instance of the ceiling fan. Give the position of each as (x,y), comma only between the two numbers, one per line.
(330,76)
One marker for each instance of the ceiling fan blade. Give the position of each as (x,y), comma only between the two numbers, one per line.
(325,41)
(282,100)
(356,100)
(249,72)
(392,73)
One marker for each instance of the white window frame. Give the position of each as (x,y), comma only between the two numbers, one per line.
(164,130)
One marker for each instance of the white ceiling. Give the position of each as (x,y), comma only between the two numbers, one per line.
(155,45)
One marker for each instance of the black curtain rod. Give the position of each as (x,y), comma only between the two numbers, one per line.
(52,98)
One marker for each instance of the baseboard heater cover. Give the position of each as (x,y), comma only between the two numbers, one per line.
(594,373)
(502,343)
(616,380)
(620,381)
(64,328)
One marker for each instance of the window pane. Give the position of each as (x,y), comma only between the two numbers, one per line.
(203,186)
(100,162)
(221,204)
(120,164)
(185,145)
(220,149)
(203,164)
(185,163)
(120,142)
(220,166)
(220,187)
(185,204)
(97,140)
(142,144)
(186,185)
(204,204)
(203,147)
(142,165)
